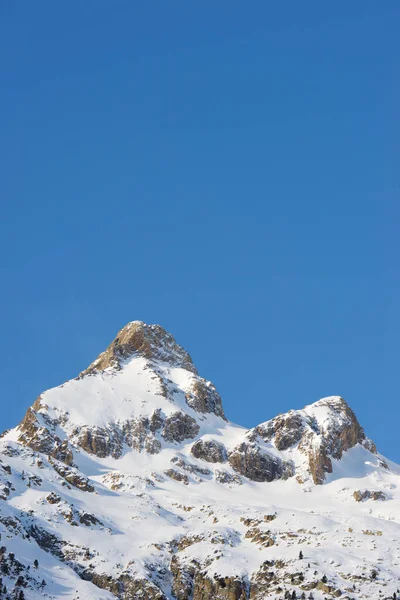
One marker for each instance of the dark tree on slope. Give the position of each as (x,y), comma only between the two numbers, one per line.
(301,555)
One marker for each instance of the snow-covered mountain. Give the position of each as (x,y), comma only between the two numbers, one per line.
(129,482)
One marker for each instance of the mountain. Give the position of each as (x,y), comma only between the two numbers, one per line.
(130,482)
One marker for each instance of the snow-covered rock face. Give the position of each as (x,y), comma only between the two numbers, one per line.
(142,393)
(321,432)
(129,482)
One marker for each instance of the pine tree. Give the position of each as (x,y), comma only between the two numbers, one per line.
(301,555)
(36,563)
(324,579)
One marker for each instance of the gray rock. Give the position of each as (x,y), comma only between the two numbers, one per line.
(210,451)
(179,426)
(249,460)
(204,398)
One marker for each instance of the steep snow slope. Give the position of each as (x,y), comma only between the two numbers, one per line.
(129,482)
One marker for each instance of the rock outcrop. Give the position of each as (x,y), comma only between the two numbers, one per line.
(149,341)
(204,398)
(250,460)
(360,496)
(210,451)
(179,427)
(322,431)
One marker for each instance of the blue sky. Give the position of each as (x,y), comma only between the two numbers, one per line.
(227,170)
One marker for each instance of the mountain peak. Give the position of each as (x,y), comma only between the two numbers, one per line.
(129,481)
(137,338)
(321,432)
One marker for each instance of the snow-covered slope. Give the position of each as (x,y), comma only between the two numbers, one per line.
(129,482)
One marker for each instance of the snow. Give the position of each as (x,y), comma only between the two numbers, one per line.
(141,510)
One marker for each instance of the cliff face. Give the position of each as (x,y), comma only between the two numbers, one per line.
(132,480)
(321,432)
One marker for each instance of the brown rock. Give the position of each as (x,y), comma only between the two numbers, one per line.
(359,495)
(174,474)
(149,341)
(219,588)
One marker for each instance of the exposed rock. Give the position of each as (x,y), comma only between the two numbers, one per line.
(139,433)
(99,441)
(286,430)
(36,431)
(182,464)
(249,460)
(210,451)
(62,452)
(156,421)
(204,398)
(126,587)
(339,433)
(182,585)
(47,541)
(318,460)
(263,581)
(359,495)
(72,476)
(269,518)
(4,491)
(189,582)
(33,433)
(6,468)
(150,341)
(179,427)
(219,588)
(322,432)
(227,478)
(174,474)
(328,589)
(260,537)
(188,540)
(89,519)
(135,433)
(53,498)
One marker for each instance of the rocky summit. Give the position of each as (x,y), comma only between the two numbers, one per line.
(130,482)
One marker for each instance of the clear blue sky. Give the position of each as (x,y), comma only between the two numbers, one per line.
(226,169)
